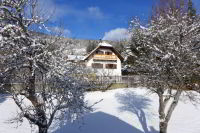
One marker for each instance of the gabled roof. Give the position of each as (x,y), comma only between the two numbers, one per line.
(106,46)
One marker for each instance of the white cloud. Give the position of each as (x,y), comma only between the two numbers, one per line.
(117,34)
(54,12)
(51,8)
(90,12)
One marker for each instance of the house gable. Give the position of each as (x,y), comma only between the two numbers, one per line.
(103,47)
(105,60)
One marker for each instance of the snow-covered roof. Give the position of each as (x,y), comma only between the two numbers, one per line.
(105,44)
(75,57)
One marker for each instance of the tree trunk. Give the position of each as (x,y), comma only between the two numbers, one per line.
(42,129)
(164,118)
(163,123)
(163,127)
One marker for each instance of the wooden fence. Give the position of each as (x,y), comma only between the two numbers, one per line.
(131,81)
(96,81)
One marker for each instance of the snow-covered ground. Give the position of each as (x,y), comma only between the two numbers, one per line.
(121,111)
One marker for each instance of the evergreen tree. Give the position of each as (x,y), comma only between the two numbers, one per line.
(191,9)
(91,46)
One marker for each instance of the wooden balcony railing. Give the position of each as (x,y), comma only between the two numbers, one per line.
(104,57)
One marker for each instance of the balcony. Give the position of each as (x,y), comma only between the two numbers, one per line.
(104,57)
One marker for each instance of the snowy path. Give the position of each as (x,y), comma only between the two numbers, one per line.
(121,111)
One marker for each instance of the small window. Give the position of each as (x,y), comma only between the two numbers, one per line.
(99,52)
(108,53)
(97,65)
(111,66)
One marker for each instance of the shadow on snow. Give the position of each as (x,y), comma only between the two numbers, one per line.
(136,104)
(99,122)
(3,97)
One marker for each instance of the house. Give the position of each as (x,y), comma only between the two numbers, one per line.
(104,60)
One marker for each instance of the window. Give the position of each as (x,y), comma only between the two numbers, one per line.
(99,52)
(97,65)
(108,53)
(111,66)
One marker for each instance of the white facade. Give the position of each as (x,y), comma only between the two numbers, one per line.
(104,61)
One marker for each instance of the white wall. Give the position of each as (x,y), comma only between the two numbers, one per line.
(104,71)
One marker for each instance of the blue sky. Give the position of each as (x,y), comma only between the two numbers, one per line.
(97,19)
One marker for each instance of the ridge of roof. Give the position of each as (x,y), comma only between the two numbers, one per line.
(105,44)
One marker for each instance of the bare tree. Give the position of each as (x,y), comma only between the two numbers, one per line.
(163,7)
(166,52)
(47,86)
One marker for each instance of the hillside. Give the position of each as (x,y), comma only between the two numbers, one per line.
(77,46)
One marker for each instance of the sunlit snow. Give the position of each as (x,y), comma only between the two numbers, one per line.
(121,111)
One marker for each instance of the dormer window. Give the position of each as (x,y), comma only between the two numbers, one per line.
(108,53)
